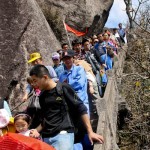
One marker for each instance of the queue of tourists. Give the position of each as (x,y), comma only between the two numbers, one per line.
(62,97)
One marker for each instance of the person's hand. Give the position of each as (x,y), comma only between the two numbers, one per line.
(104,65)
(102,71)
(93,137)
(34,133)
(91,89)
(1,133)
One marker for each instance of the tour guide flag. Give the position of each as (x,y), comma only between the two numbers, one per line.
(13,141)
(77,33)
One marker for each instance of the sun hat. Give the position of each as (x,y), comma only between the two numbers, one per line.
(4,118)
(34,56)
(55,55)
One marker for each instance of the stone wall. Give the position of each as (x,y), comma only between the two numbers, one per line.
(23,30)
(108,106)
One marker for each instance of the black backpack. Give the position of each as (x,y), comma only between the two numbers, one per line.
(34,109)
(79,129)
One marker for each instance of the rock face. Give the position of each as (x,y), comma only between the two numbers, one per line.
(79,14)
(23,29)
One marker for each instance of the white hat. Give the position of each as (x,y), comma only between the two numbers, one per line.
(4,118)
(55,55)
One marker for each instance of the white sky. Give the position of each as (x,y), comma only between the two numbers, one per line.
(117,14)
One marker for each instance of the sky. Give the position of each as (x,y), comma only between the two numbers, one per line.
(118,14)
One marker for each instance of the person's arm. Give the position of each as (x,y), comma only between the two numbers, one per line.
(93,137)
(52,73)
(95,61)
(6,107)
(79,79)
(98,56)
(1,133)
(91,89)
(27,91)
(73,101)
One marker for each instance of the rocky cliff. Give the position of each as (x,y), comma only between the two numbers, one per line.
(23,29)
(79,14)
(27,26)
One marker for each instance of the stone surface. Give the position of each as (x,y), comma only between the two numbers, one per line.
(23,29)
(79,14)
(109,105)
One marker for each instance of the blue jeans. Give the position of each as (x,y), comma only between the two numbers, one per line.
(84,145)
(78,146)
(61,141)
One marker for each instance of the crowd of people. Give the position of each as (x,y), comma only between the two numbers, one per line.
(65,92)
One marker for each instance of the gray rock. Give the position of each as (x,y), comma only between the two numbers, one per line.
(77,14)
(23,29)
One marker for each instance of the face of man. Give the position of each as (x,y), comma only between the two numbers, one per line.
(77,47)
(86,46)
(56,61)
(36,62)
(100,38)
(120,26)
(41,83)
(65,47)
(68,61)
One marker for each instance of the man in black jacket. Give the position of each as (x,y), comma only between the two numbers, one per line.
(57,129)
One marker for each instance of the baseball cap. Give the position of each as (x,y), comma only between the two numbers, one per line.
(55,55)
(68,53)
(34,56)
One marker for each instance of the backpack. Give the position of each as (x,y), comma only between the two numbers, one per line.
(79,129)
(34,110)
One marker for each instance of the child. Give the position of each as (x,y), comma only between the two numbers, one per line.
(22,122)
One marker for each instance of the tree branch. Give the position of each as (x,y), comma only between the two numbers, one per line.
(135,74)
(137,62)
(141,27)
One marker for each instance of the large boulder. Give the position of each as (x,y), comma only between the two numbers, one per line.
(79,14)
(23,29)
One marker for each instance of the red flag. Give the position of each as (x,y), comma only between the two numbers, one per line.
(77,33)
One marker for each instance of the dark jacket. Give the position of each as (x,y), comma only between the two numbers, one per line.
(90,58)
(55,116)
